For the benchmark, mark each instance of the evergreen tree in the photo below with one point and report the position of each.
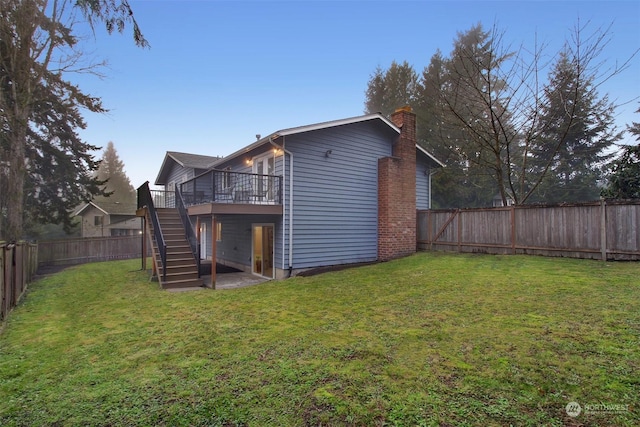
(391, 89)
(117, 186)
(46, 168)
(577, 129)
(624, 180)
(483, 111)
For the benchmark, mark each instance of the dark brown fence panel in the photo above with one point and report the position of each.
(80, 251)
(3, 290)
(18, 264)
(598, 230)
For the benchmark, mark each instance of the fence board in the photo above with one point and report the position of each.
(16, 271)
(569, 230)
(80, 251)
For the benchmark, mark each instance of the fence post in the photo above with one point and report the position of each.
(459, 231)
(603, 229)
(429, 230)
(513, 229)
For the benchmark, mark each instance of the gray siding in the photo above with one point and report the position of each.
(178, 174)
(422, 183)
(335, 216)
(236, 237)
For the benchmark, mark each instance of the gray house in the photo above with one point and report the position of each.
(325, 194)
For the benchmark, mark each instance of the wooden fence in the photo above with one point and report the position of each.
(18, 264)
(92, 249)
(598, 230)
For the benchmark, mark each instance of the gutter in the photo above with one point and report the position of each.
(284, 150)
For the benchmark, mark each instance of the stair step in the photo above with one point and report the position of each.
(181, 269)
(173, 277)
(191, 283)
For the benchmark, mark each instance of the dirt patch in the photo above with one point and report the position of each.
(47, 270)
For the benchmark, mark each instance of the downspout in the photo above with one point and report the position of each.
(284, 150)
(430, 189)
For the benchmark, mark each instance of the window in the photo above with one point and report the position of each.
(218, 232)
(97, 220)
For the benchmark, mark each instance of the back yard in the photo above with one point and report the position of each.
(433, 339)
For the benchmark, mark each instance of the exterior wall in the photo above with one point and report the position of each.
(397, 192)
(423, 169)
(178, 174)
(234, 248)
(335, 193)
(89, 229)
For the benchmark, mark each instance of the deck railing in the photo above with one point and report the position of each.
(146, 200)
(163, 199)
(188, 227)
(217, 186)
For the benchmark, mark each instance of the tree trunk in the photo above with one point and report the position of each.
(15, 185)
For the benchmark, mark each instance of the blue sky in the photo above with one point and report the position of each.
(220, 72)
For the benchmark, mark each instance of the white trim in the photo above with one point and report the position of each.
(340, 122)
(301, 129)
(91, 204)
(425, 152)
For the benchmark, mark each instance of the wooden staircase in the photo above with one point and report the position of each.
(182, 269)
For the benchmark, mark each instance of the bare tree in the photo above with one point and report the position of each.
(40, 110)
(493, 94)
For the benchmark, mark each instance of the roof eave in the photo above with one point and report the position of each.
(308, 128)
(430, 156)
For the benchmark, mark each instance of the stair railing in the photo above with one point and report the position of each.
(145, 200)
(188, 226)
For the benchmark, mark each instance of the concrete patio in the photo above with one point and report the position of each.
(224, 281)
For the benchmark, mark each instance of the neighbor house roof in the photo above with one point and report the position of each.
(128, 224)
(109, 208)
(186, 160)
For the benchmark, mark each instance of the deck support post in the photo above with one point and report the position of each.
(214, 239)
(143, 221)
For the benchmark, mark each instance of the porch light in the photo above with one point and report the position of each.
(249, 162)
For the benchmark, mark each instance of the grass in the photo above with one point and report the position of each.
(432, 339)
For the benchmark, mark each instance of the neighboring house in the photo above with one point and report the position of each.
(108, 219)
(497, 201)
(332, 193)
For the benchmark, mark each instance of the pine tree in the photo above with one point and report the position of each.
(624, 179)
(577, 129)
(391, 89)
(117, 185)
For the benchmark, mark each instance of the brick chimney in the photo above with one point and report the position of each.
(397, 191)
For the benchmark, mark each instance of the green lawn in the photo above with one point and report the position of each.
(432, 339)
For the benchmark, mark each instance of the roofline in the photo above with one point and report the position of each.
(87, 205)
(170, 154)
(164, 162)
(339, 122)
(428, 154)
(306, 128)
